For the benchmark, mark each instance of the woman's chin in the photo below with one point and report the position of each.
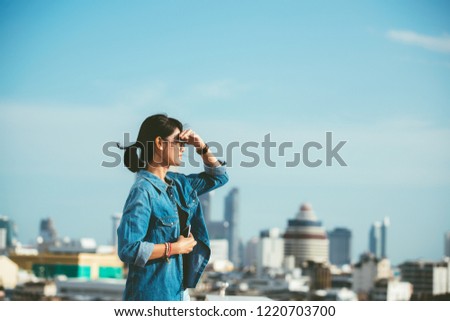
(177, 162)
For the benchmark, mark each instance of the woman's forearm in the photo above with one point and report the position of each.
(159, 251)
(209, 159)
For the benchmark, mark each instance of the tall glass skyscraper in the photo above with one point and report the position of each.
(378, 238)
(232, 217)
(340, 246)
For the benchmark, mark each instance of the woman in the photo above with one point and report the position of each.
(162, 235)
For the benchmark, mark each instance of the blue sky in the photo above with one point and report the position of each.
(77, 74)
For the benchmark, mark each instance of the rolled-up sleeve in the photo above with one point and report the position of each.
(133, 228)
(210, 179)
(216, 170)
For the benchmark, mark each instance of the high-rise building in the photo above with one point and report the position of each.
(251, 253)
(305, 238)
(378, 238)
(47, 231)
(115, 225)
(217, 230)
(340, 246)
(447, 244)
(8, 235)
(205, 201)
(375, 239)
(232, 217)
(384, 234)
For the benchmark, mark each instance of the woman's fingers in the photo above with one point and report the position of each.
(186, 244)
(191, 137)
(185, 134)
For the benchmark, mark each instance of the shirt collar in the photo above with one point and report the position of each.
(155, 180)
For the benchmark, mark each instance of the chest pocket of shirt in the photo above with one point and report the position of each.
(190, 202)
(166, 229)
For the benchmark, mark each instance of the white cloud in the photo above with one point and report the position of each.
(440, 44)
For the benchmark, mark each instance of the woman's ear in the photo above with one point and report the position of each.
(159, 143)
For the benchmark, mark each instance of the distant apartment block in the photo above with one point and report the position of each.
(270, 253)
(367, 271)
(428, 278)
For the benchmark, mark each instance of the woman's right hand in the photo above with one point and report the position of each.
(184, 245)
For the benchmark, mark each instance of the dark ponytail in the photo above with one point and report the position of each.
(131, 159)
(152, 127)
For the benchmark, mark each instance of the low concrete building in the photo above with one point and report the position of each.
(9, 273)
(81, 265)
(391, 290)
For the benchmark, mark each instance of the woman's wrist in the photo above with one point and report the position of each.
(175, 248)
(203, 149)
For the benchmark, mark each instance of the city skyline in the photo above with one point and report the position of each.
(373, 74)
(341, 236)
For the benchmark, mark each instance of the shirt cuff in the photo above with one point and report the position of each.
(216, 170)
(144, 252)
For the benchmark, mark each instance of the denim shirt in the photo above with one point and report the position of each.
(150, 216)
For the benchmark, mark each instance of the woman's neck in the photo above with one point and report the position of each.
(158, 170)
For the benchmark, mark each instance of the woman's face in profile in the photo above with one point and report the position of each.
(173, 149)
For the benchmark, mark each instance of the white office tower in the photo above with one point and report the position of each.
(305, 237)
(270, 253)
(219, 250)
(219, 256)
